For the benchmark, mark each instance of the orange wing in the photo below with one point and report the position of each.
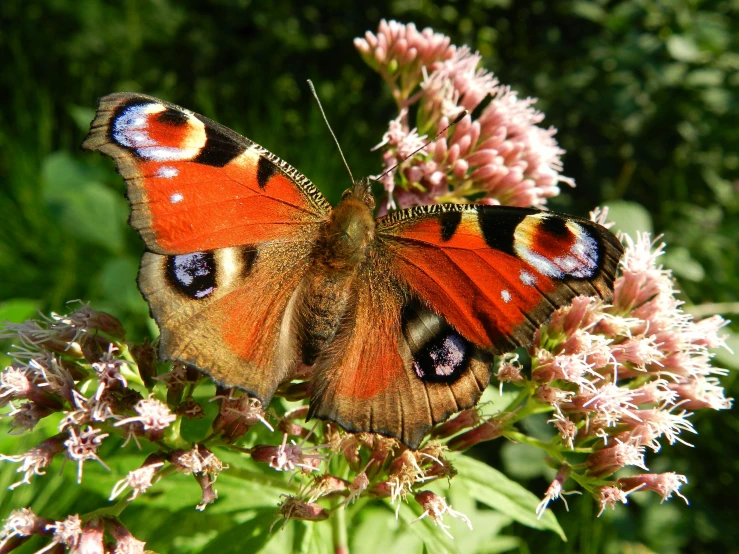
(195, 185)
(497, 273)
(230, 230)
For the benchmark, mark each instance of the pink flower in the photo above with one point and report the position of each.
(435, 507)
(502, 155)
(154, 416)
(664, 484)
(139, 480)
(556, 491)
(294, 508)
(287, 457)
(20, 525)
(67, 532)
(36, 460)
(83, 446)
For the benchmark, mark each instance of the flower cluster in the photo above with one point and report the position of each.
(496, 153)
(80, 367)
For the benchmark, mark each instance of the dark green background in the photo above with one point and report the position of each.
(644, 94)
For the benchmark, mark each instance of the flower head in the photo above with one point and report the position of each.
(435, 507)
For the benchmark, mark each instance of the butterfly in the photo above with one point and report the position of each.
(249, 273)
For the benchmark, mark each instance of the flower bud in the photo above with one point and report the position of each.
(488, 430)
(463, 420)
(663, 484)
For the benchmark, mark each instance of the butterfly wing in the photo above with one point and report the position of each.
(195, 185)
(378, 374)
(229, 229)
(497, 273)
(447, 286)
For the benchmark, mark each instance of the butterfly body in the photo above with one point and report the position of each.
(249, 272)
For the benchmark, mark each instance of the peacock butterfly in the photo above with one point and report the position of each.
(249, 272)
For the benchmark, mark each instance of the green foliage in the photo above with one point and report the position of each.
(644, 94)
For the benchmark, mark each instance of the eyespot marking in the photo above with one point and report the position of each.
(193, 275)
(556, 247)
(155, 132)
(443, 358)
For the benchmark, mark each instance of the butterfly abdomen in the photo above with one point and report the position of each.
(343, 246)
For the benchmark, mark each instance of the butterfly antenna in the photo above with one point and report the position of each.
(454, 122)
(320, 107)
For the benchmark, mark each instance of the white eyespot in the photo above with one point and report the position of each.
(167, 172)
(505, 295)
(527, 278)
(176, 198)
(167, 153)
(539, 262)
(130, 129)
(449, 356)
(189, 266)
(585, 252)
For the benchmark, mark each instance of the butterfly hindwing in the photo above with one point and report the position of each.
(195, 185)
(229, 311)
(395, 367)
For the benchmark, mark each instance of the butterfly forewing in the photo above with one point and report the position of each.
(195, 185)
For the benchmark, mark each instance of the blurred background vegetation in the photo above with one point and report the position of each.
(643, 92)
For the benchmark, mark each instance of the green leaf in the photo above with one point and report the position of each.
(17, 310)
(629, 217)
(682, 264)
(86, 208)
(684, 49)
(116, 285)
(523, 461)
(494, 489)
(250, 536)
(375, 529)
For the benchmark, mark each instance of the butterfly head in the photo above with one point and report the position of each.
(361, 191)
(351, 226)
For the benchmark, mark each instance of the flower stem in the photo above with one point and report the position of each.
(338, 528)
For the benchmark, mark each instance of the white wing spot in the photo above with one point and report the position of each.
(167, 172)
(505, 295)
(176, 198)
(527, 278)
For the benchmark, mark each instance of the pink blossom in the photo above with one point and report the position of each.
(502, 154)
(83, 446)
(556, 491)
(435, 507)
(154, 415)
(664, 484)
(36, 460)
(287, 457)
